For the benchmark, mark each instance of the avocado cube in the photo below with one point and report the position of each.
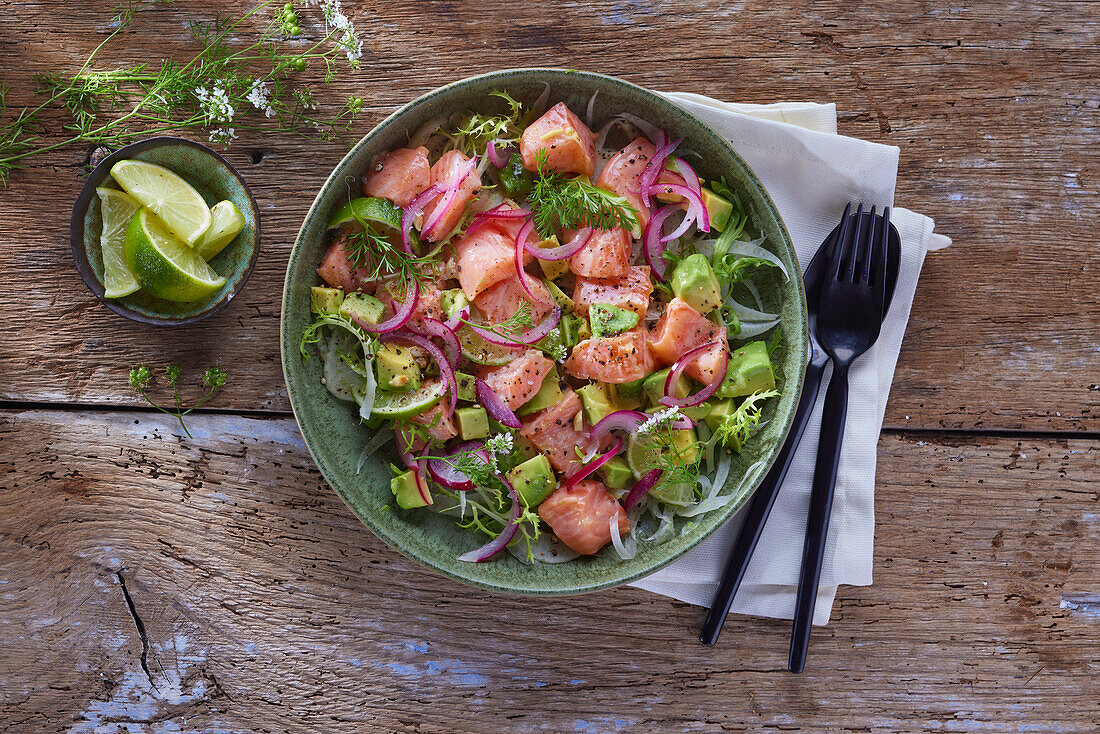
(631, 389)
(467, 388)
(553, 269)
(718, 210)
(749, 369)
(360, 305)
(552, 342)
(534, 480)
(718, 411)
(452, 301)
(616, 474)
(410, 491)
(654, 386)
(624, 402)
(396, 368)
(696, 412)
(525, 448)
(608, 320)
(559, 296)
(473, 422)
(515, 178)
(325, 300)
(549, 394)
(574, 330)
(596, 401)
(695, 283)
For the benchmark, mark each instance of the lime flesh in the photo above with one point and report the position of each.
(226, 223)
(117, 209)
(407, 404)
(165, 266)
(169, 197)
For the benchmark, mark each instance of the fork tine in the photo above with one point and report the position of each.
(881, 254)
(866, 242)
(841, 245)
(852, 247)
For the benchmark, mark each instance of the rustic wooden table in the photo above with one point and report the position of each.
(149, 582)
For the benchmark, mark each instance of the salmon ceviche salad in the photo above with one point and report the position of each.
(555, 322)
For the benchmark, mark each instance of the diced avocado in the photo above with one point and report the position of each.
(718, 210)
(396, 368)
(552, 343)
(616, 474)
(559, 296)
(608, 320)
(410, 492)
(750, 369)
(325, 300)
(631, 389)
(696, 412)
(525, 448)
(473, 422)
(516, 179)
(365, 308)
(719, 410)
(467, 389)
(452, 301)
(549, 394)
(624, 402)
(654, 386)
(596, 401)
(574, 330)
(534, 480)
(694, 282)
(553, 269)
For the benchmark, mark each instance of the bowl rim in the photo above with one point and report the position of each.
(78, 243)
(289, 351)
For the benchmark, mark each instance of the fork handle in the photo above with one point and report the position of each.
(833, 415)
(761, 505)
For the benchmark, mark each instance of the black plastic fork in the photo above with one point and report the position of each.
(849, 318)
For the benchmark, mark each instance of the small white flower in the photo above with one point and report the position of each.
(498, 446)
(260, 98)
(225, 136)
(215, 104)
(662, 418)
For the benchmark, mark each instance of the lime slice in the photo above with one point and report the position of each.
(226, 223)
(641, 458)
(117, 209)
(370, 209)
(163, 264)
(406, 404)
(169, 196)
(478, 350)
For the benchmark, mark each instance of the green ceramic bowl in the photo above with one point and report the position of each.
(216, 180)
(332, 429)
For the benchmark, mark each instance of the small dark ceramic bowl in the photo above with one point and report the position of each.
(215, 180)
(335, 436)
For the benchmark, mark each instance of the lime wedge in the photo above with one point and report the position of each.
(370, 209)
(226, 223)
(481, 351)
(406, 404)
(117, 209)
(641, 457)
(163, 264)
(169, 196)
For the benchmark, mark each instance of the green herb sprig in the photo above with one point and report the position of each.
(140, 378)
(678, 464)
(209, 93)
(572, 203)
(740, 425)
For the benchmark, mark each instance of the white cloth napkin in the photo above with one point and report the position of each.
(811, 172)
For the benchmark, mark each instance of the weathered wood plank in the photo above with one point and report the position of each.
(266, 606)
(994, 109)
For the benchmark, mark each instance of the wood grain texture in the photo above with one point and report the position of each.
(219, 584)
(994, 108)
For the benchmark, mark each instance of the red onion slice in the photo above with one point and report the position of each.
(628, 420)
(404, 450)
(653, 169)
(446, 373)
(399, 318)
(422, 483)
(525, 339)
(495, 406)
(501, 211)
(521, 238)
(688, 173)
(561, 252)
(592, 466)
(641, 488)
(496, 157)
(590, 109)
(678, 369)
(439, 330)
(497, 544)
(696, 210)
(413, 210)
(445, 474)
(457, 318)
(652, 246)
(448, 197)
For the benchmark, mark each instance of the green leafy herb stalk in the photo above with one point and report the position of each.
(573, 203)
(228, 86)
(141, 378)
(739, 426)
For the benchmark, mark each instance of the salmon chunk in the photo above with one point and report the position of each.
(500, 301)
(682, 328)
(568, 143)
(630, 292)
(440, 426)
(398, 175)
(338, 270)
(519, 380)
(622, 358)
(483, 259)
(621, 174)
(581, 516)
(446, 173)
(552, 433)
(605, 255)
(428, 303)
